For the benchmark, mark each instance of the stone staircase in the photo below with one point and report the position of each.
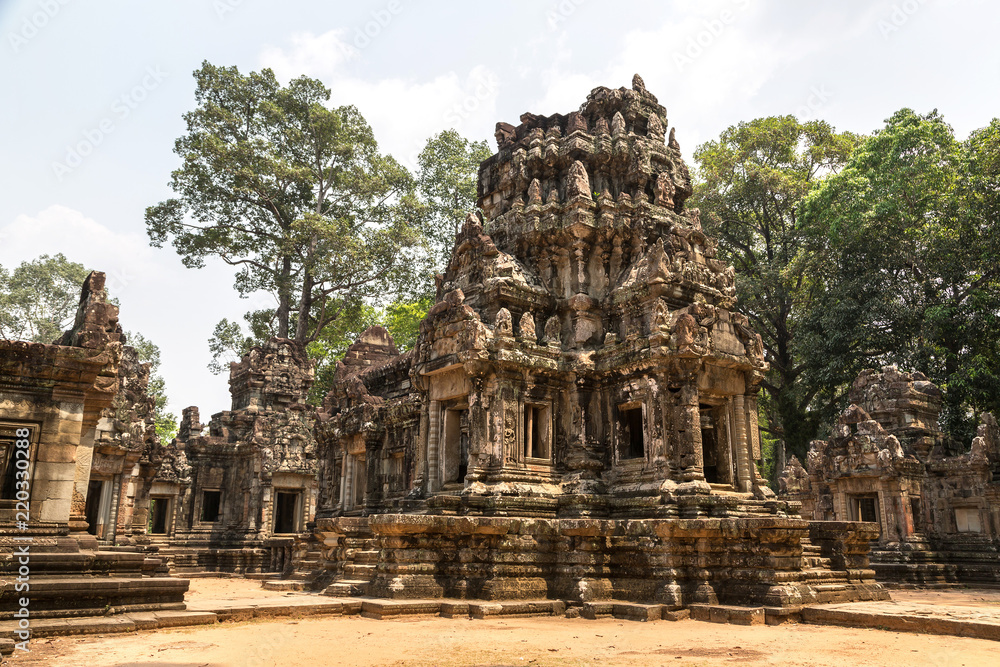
(307, 570)
(830, 586)
(304, 567)
(359, 565)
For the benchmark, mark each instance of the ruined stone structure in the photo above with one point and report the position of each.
(75, 427)
(887, 462)
(231, 495)
(578, 418)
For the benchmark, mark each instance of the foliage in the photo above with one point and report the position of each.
(149, 352)
(911, 273)
(401, 318)
(38, 299)
(447, 176)
(293, 193)
(750, 182)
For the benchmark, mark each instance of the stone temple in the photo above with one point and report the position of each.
(577, 421)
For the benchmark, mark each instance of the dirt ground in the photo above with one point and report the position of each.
(423, 641)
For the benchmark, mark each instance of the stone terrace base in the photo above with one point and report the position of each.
(670, 562)
(971, 560)
(68, 576)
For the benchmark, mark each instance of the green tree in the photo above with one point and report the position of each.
(149, 352)
(750, 182)
(295, 194)
(911, 245)
(447, 178)
(39, 298)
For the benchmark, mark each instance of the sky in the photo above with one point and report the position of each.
(96, 91)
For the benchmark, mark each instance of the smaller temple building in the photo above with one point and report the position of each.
(232, 494)
(936, 501)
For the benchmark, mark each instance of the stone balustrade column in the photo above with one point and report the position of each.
(743, 454)
(433, 440)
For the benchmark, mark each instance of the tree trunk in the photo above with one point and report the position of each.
(284, 305)
(305, 305)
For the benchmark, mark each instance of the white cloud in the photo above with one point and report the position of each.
(403, 113)
(125, 258)
(174, 307)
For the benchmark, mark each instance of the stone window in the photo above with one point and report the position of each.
(918, 518)
(211, 506)
(97, 509)
(286, 511)
(967, 520)
(631, 438)
(159, 514)
(864, 508)
(456, 444)
(536, 432)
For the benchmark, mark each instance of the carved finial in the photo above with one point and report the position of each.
(505, 134)
(654, 128)
(638, 84)
(672, 141)
(472, 221)
(694, 217)
(665, 190)
(534, 192)
(577, 181)
(553, 197)
(576, 123)
(526, 327)
(601, 127)
(503, 324)
(617, 124)
(553, 331)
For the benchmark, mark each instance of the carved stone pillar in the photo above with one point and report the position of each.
(692, 456)
(433, 440)
(743, 454)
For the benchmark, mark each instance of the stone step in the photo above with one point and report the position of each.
(347, 588)
(49, 627)
(359, 570)
(285, 585)
(366, 556)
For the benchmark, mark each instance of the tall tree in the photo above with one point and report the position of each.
(447, 175)
(750, 182)
(295, 194)
(149, 352)
(39, 298)
(911, 239)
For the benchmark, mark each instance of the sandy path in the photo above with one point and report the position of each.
(517, 641)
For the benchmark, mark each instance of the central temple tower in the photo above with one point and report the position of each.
(582, 358)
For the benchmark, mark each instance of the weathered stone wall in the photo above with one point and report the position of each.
(674, 562)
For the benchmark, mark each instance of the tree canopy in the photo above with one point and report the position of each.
(749, 185)
(39, 298)
(447, 175)
(295, 194)
(911, 272)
